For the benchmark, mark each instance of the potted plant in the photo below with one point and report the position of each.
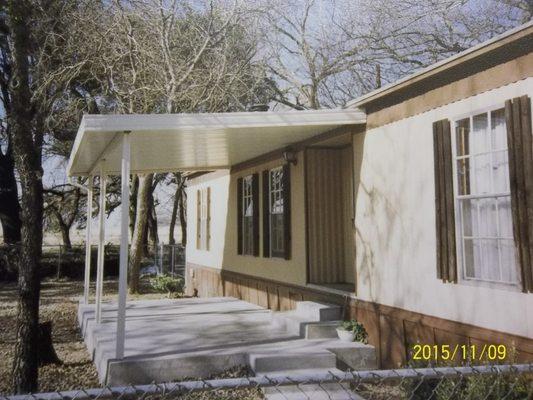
(352, 331)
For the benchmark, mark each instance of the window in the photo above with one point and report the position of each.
(276, 212)
(485, 244)
(203, 200)
(248, 215)
(275, 195)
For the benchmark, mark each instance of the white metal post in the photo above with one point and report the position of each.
(101, 244)
(124, 235)
(87, 280)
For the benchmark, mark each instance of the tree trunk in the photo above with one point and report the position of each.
(183, 217)
(65, 236)
(47, 353)
(9, 203)
(139, 231)
(133, 202)
(27, 149)
(173, 217)
(153, 236)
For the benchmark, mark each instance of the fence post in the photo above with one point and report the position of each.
(172, 262)
(58, 274)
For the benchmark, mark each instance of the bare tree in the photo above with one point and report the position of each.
(321, 55)
(178, 206)
(27, 144)
(202, 62)
(139, 232)
(307, 53)
(62, 209)
(9, 204)
(404, 35)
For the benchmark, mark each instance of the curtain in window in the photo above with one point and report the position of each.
(484, 201)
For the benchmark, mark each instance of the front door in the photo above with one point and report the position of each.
(329, 194)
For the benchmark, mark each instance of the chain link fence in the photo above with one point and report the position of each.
(443, 383)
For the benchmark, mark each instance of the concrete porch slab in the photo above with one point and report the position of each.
(172, 339)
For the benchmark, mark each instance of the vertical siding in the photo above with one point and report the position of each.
(327, 196)
(348, 214)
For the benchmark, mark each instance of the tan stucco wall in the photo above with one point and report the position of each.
(218, 183)
(395, 224)
(223, 252)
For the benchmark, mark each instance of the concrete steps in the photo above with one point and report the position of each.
(288, 362)
(309, 320)
(318, 311)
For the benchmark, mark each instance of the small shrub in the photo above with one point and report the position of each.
(360, 334)
(167, 284)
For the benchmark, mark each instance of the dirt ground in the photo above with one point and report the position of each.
(59, 300)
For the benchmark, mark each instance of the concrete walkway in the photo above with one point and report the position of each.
(172, 339)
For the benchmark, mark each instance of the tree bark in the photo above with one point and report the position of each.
(133, 202)
(47, 353)
(65, 236)
(173, 217)
(9, 203)
(139, 231)
(27, 147)
(153, 236)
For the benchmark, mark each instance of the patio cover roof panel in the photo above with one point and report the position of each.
(170, 142)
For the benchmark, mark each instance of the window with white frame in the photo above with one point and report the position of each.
(486, 248)
(203, 218)
(275, 189)
(247, 216)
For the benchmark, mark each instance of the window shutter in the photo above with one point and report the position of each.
(198, 219)
(287, 210)
(208, 219)
(444, 202)
(519, 140)
(255, 210)
(266, 215)
(239, 216)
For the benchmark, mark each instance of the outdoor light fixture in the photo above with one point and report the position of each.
(290, 157)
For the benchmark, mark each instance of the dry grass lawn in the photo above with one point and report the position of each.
(59, 302)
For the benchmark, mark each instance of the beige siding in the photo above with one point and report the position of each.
(329, 210)
(395, 220)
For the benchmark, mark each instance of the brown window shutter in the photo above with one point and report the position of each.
(255, 219)
(444, 202)
(239, 216)
(519, 141)
(208, 221)
(266, 214)
(287, 210)
(198, 219)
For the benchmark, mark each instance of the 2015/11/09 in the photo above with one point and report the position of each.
(446, 352)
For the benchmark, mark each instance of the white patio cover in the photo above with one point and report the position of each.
(171, 142)
(126, 144)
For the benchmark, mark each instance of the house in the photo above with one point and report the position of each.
(419, 221)
(412, 207)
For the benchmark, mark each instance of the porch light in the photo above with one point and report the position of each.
(290, 157)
